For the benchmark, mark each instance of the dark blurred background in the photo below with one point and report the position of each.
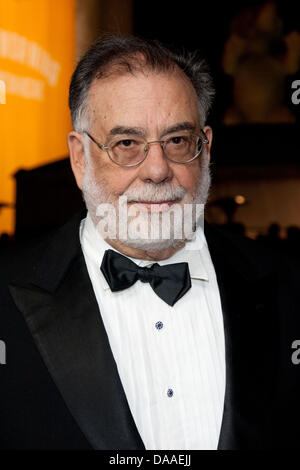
(206, 26)
(253, 50)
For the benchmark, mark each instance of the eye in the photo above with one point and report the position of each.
(178, 140)
(126, 143)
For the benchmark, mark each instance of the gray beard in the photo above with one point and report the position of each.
(96, 192)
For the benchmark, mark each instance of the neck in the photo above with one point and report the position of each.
(151, 255)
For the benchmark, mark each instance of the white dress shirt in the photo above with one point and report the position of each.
(171, 360)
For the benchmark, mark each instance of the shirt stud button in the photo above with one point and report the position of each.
(170, 393)
(159, 325)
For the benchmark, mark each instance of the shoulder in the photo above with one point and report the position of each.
(251, 260)
(22, 259)
(240, 251)
(21, 256)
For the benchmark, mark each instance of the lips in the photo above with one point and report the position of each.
(151, 206)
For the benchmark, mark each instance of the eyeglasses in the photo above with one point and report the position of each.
(128, 150)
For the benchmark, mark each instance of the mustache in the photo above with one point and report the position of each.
(159, 192)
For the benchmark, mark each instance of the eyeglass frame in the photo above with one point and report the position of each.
(203, 138)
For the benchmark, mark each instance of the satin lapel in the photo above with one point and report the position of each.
(68, 330)
(251, 333)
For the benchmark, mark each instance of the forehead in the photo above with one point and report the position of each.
(148, 100)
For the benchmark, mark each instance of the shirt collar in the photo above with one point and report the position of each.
(192, 253)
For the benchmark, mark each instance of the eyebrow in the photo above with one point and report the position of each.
(117, 130)
(180, 126)
(139, 131)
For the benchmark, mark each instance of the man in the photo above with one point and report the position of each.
(118, 337)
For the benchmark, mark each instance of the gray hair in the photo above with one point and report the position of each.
(128, 54)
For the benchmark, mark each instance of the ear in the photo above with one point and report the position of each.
(77, 156)
(209, 135)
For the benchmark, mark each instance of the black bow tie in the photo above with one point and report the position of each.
(169, 282)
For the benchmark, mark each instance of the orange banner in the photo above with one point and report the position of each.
(37, 50)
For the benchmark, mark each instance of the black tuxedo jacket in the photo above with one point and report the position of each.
(60, 387)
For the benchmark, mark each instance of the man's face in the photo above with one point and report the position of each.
(153, 104)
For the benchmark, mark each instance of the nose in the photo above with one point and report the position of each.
(155, 168)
